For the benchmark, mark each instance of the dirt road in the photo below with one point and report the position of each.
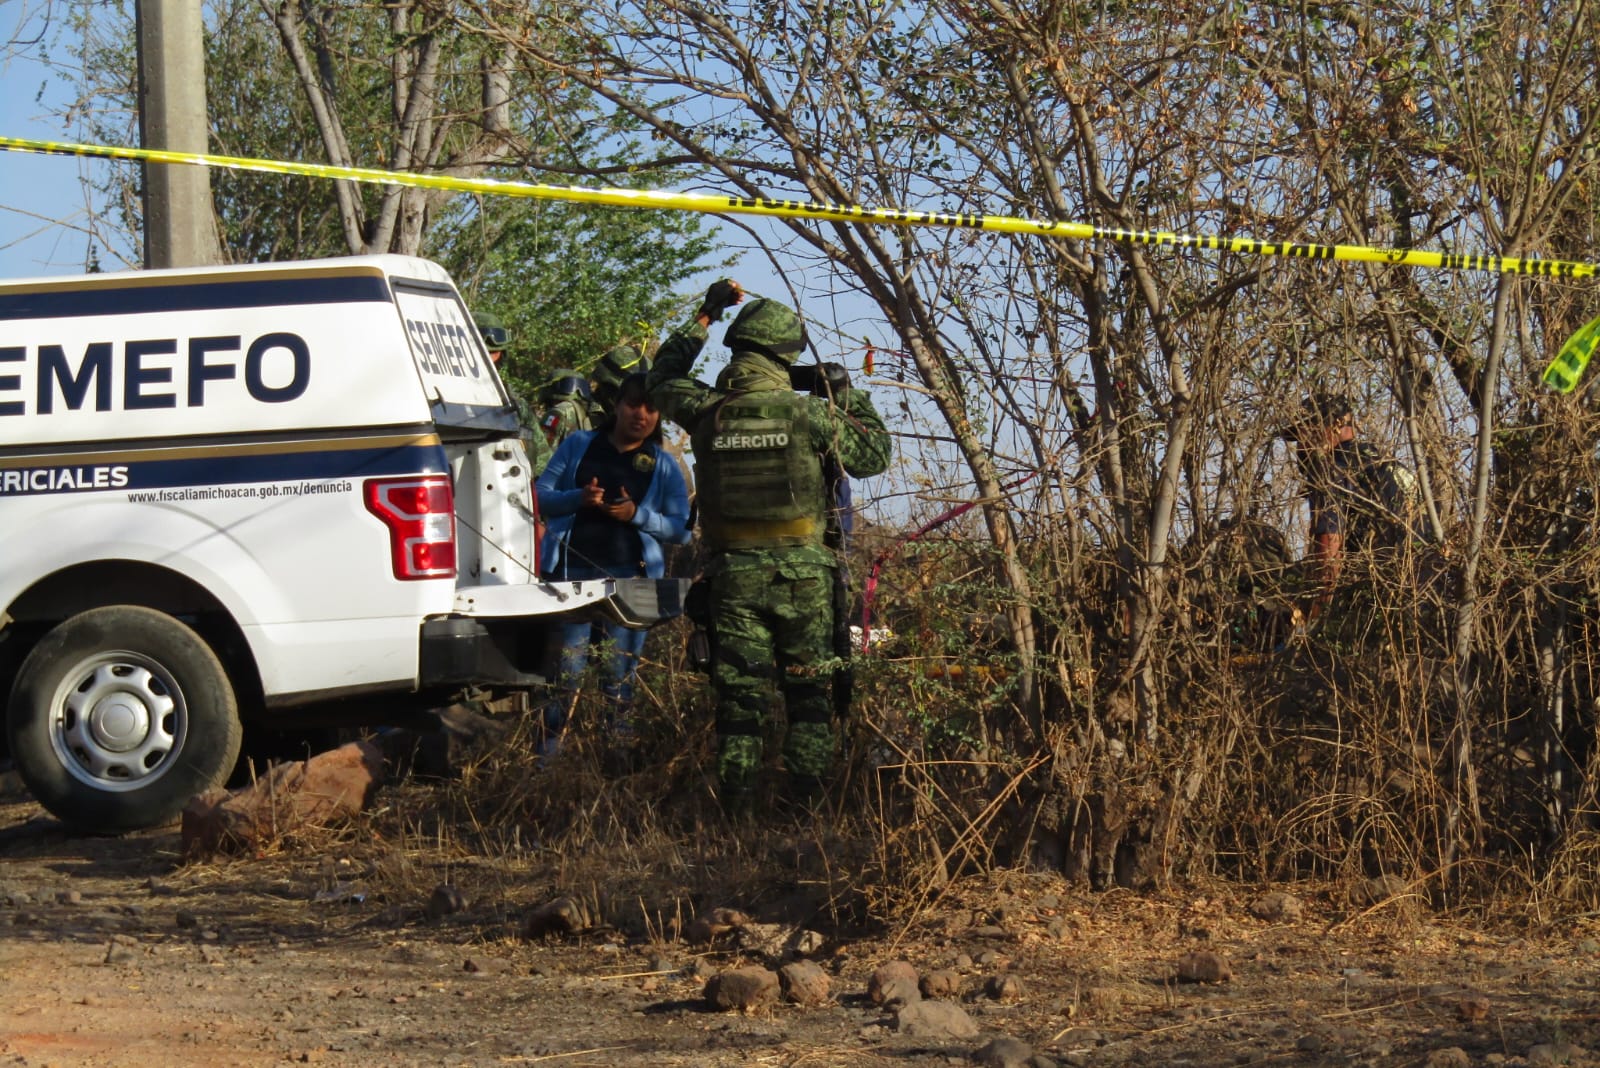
(113, 953)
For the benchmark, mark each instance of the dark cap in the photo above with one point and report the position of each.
(1327, 407)
(1322, 408)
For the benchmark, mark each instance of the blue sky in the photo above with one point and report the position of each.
(42, 205)
(43, 201)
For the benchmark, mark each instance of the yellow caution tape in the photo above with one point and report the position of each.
(801, 209)
(1562, 374)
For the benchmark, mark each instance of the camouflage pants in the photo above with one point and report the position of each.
(772, 624)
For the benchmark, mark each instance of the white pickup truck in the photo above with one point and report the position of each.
(264, 494)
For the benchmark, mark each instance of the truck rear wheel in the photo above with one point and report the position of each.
(119, 716)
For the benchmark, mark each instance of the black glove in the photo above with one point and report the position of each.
(722, 295)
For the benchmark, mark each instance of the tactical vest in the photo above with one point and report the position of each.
(760, 481)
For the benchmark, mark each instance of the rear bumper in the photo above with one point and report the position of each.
(507, 636)
(637, 603)
(459, 652)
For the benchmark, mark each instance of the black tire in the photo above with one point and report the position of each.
(119, 716)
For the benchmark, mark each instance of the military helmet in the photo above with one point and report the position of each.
(769, 328)
(617, 364)
(563, 384)
(493, 330)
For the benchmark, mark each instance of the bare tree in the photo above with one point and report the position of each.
(1116, 407)
(433, 125)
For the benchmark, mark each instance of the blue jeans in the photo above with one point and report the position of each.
(618, 648)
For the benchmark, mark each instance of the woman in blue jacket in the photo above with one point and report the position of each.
(610, 498)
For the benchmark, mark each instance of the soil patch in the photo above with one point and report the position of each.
(115, 953)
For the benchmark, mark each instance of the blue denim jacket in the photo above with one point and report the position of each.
(662, 517)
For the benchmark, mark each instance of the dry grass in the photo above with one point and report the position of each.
(1332, 760)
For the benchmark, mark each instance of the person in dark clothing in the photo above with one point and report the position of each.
(1360, 500)
(612, 498)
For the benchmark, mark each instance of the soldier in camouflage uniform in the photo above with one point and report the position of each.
(608, 375)
(759, 452)
(495, 339)
(568, 406)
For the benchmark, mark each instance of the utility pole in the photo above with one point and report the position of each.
(179, 228)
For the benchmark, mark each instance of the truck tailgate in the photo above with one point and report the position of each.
(636, 602)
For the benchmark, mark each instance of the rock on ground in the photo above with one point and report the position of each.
(742, 988)
(934, 1019)
(804, 983)
(894, 983)
(769, 940)
(292, 798)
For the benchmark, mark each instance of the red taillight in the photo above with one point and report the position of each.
(420, 514)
